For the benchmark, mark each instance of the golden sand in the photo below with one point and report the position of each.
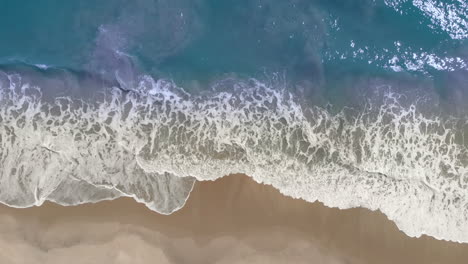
(231, 220)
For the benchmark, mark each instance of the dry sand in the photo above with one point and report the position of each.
(231, 220)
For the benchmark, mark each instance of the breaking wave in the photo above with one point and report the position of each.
(153, 140)
(450, 16)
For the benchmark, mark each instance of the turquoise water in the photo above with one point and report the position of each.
(352, 103)
(331, 45)
(205, 39)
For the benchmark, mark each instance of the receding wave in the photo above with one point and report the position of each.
(152, 141)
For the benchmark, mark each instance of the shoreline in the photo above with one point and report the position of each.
(230, 220)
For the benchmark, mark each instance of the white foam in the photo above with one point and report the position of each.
(448, 16)
(404, 58)
(389, 157)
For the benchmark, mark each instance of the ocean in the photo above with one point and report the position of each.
(359, 103)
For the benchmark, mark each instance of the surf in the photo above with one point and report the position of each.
(153, 140)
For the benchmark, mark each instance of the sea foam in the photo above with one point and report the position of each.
(152, 141)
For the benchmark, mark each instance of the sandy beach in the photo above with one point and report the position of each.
(231, 220)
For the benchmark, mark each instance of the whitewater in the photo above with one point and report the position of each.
(152, 140)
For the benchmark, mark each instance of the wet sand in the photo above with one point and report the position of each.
(231, 220)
